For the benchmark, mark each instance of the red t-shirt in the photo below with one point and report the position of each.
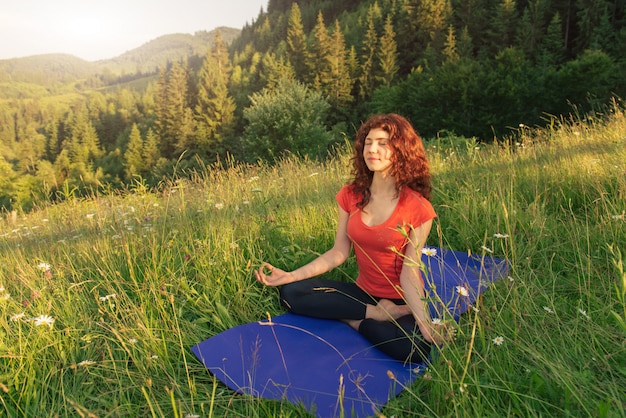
(379, 265)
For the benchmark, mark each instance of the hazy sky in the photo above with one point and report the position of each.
(101, 29)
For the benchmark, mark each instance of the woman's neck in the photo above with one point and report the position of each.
(383, 185)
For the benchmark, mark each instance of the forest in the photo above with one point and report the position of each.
(300, 78)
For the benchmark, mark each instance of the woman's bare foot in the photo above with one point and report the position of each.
(386, 310)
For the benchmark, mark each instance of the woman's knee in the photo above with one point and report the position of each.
(401, 341)
(291, 293)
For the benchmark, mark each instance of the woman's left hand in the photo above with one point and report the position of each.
(276, 276)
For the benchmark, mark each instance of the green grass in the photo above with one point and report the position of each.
(137, 278)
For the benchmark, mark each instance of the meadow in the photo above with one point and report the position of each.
(102, 297)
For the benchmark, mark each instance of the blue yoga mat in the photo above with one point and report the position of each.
(327, 366)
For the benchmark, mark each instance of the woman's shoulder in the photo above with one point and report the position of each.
(414, 199)
(347, 197)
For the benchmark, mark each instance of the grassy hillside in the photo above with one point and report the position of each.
(102, 298)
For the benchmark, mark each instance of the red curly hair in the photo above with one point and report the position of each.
(409, 165)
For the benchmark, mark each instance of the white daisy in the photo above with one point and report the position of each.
(43, 320)
(462, 290)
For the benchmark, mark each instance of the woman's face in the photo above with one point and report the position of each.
(377, 151)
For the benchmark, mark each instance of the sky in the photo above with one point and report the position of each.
(94, 30)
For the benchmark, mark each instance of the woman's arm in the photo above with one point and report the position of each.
(413, 284)
(325, 262)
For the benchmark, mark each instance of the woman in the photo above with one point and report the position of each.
(385, 215)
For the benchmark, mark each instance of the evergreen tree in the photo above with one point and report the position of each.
(368, 57)
(503, 26)
(589, 18)
(433, 19)
(552, 49)
(297, 52)
(172, 108)
(150, 151)
(339, 92)
(388, 54)
(320, 71)
(450, 49)
(134, 162)
(215, 109)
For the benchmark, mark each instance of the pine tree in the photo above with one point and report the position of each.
(320, 72)
(150, 151)
(433, 19)
(215, 107)
(172, 108)
(297, 52)
(388, 54)
(450, 49)
(133, 155)
(503, 26)
(552, 49)
(368, 55)
(339, 92)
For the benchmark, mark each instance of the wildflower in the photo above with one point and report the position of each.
(548, 310)
(86, 363)
(192, 416)
(511, 279)
(501, 236)
(246, 202)
(43, 266)
(253, 178)
(618, 217)
(43, 320)
(89, 215)
(132, 340)
(17, 316)
(498, 340)
(107, 297)
(462, 290)
(154, 356)
(475, 309)
(6, 296)
(583, 313)
(436, 321)
(234, 245)
(489, 250)
(430, 252)
(1, 288)
(219, 206)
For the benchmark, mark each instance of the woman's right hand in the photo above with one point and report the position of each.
(272, 276)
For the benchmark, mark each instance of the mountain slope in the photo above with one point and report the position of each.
(53, 70)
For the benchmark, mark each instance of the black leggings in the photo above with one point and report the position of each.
(331, 299)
